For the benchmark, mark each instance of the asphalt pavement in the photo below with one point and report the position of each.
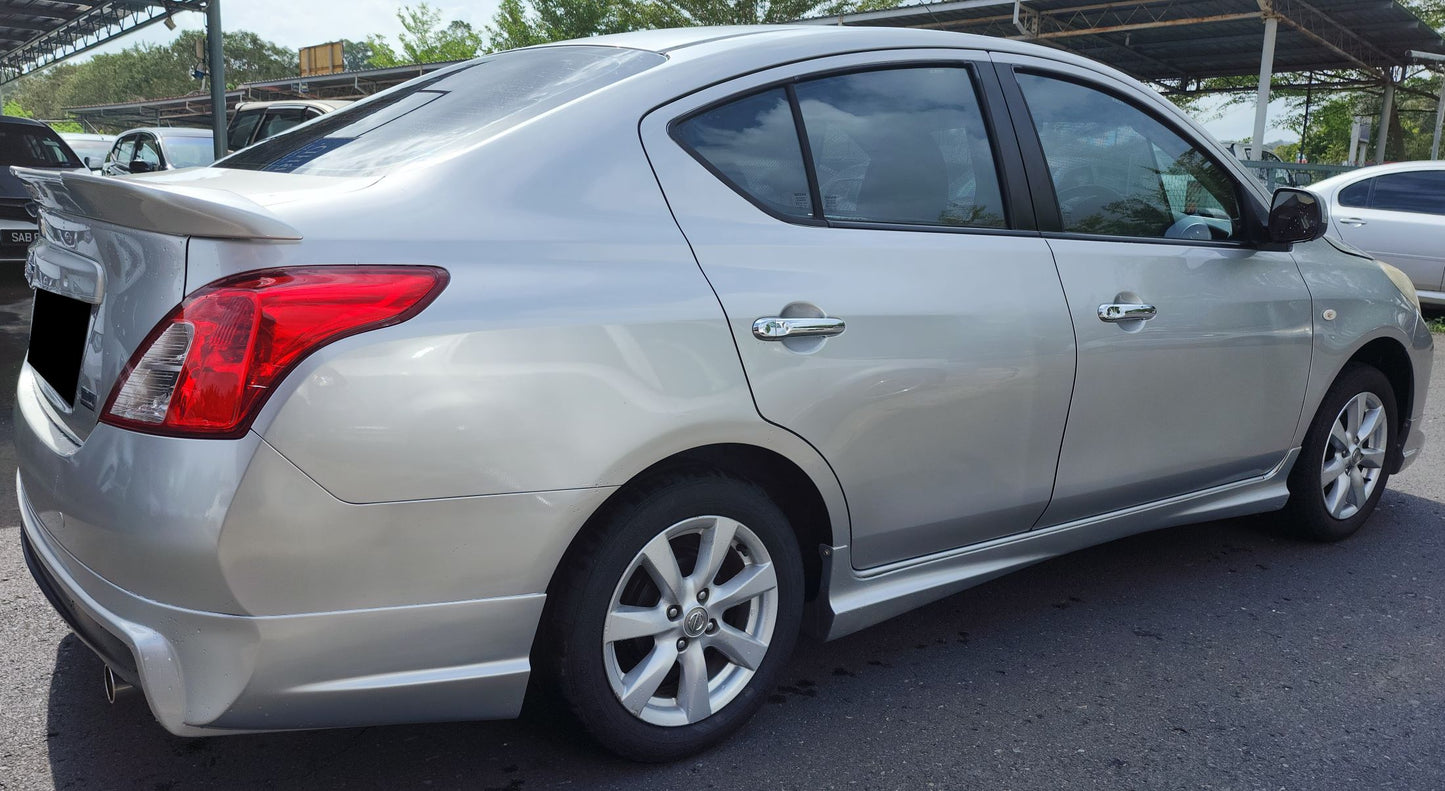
(1216, 656)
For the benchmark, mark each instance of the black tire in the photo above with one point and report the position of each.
(1306, 515)
(574, 647)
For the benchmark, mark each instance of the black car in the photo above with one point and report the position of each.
(29, 144)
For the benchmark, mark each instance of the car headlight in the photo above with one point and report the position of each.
(1402, 282)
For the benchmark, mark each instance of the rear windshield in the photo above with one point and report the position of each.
(34, 147)
(454, 108)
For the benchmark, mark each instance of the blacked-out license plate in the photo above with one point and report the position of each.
(20, 237)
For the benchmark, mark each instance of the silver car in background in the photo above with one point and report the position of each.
(1396, 213)
(611, 366)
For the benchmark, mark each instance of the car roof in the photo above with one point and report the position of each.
(169, 131)
(18, 121)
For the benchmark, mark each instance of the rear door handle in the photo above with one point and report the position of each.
(1353, 221)
(1126, 311)
(777, 328)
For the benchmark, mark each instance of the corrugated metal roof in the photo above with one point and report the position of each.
(37, 33)
(1172, 39)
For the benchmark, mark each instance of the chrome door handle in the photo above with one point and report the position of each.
(1352, 221)
(776, 328)
(1128, 311)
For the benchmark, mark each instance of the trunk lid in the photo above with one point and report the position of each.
(110, 263)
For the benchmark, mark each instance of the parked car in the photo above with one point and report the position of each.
(787, 322)
(1396, 213)
(29, 144)
(91, 148)
(1272, 177)
(159, 148)
(253, 122)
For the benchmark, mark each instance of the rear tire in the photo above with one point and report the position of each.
(1343, 465)
(658, 655)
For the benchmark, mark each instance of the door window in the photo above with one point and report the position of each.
(1117, 171)
(1418, 192)
(279, 120)
(902, 145)
(752, 144)
(148, 151)
(242, 127)
(124, 152)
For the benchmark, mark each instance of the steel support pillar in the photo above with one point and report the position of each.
(1386, 109)
(1357, 131)
(1439, 119)
(215, 40)
(1266, 73)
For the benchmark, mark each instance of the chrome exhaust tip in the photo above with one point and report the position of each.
(114, 686)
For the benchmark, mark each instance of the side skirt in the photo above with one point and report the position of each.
(854, 600)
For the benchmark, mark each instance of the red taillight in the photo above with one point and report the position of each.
(207, 368)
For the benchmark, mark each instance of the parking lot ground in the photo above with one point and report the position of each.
(1216, 656)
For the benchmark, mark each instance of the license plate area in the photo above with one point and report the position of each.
(14, 237)
(58, 328)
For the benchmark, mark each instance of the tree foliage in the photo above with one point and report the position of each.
(425, 39)
(147, 71)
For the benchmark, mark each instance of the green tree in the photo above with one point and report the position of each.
(425, 39)
(356, 54)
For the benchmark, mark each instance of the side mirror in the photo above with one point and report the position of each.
(1296, 216)
(142, 166)
(89, 165)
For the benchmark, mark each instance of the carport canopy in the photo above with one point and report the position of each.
(37, 33)
(1176, 42)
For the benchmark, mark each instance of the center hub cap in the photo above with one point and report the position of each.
(695, 622)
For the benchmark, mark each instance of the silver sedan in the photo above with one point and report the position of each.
(1395, 212)
(611, 367)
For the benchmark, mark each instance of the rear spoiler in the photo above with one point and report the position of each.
(162, 208)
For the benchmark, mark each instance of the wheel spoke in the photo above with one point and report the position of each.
(1340, 436)
(740, 648)
(751, 582)
(1369, 423)
(1335, 497)
(661, 564)
(1332, 471)
(1372, 458)
(1355, 415)
(626, 622)
(641, 683)
(1357, 487)
(692, 692)
(713, 550)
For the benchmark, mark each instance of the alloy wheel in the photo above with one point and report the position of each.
(1354, 455)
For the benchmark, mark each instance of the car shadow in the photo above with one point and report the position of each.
(1104, 620)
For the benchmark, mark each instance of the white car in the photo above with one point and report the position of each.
(91, 148)
(254, 122)
(1397, 214)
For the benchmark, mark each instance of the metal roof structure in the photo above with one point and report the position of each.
(1170, 40)
(195, 110)
(37, 33)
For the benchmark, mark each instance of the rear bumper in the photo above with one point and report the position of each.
(205, 672)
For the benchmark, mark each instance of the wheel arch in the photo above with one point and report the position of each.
(1388, 355)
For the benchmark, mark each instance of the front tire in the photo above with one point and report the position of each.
(1343, 465)
(676, 615)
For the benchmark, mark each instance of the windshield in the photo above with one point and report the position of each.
(189, 152)
(451, 109)
(34, 147)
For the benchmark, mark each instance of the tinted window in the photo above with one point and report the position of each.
(902, 146)
(1117, 171)
(1422, 192)
(1357, 195)
(242, 127)
(190, 152)
(753, 144)
(279, 120)
(454, 108)
(34, 147)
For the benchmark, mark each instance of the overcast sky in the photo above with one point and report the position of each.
(302, 23)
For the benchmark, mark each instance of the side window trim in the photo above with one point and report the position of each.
(1018, 204)
(1046, 202)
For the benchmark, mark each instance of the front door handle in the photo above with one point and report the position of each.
(1126, 311)
(1351, 221)
(777, 328)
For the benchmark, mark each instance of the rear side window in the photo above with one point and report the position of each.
(1118, 171)
(453, 108)
(1420, 192)
(902, 145)
(34, 147)
(753, 145)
